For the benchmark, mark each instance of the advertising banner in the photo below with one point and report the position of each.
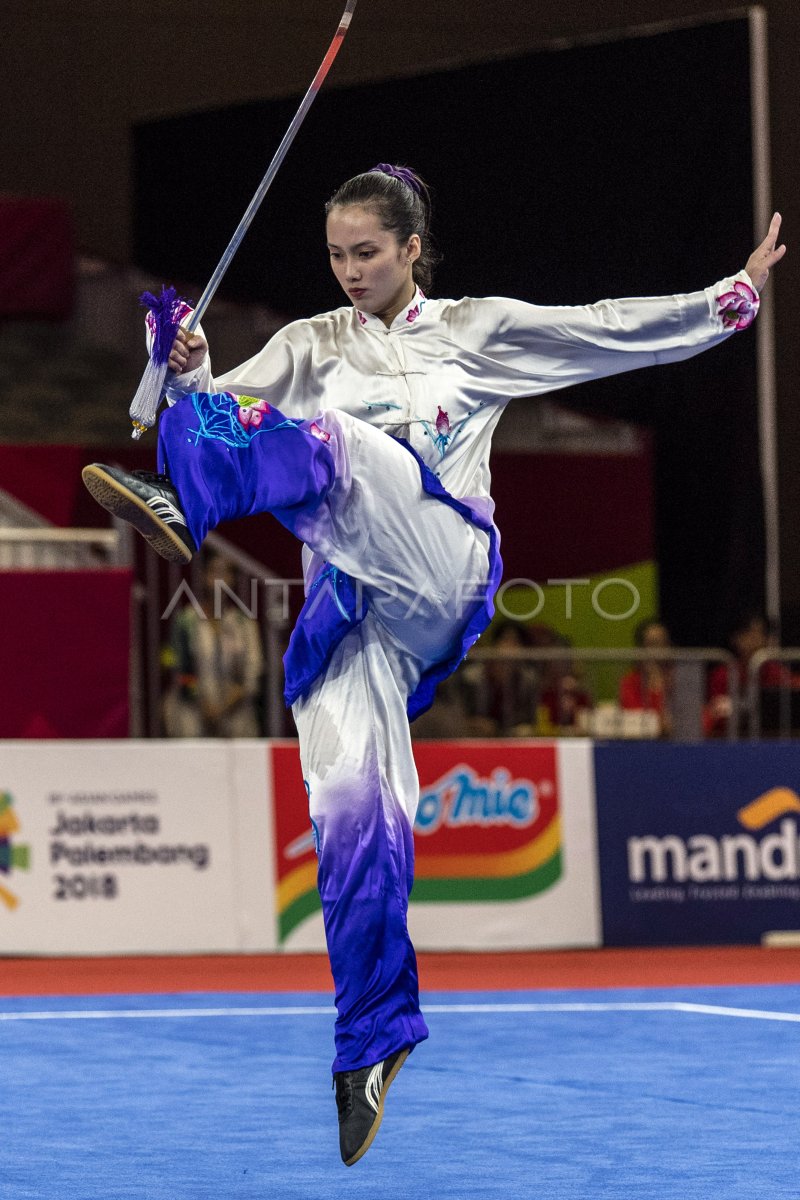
(698, 843)
(506, 853)
(132, 847)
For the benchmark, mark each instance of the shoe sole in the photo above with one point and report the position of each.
(376, 1124)
(122, 502)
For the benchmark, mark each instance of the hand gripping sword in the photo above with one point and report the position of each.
(167, 309)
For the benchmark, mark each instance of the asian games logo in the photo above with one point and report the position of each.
(12, 857)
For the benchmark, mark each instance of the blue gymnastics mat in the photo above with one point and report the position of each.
(674, 1094)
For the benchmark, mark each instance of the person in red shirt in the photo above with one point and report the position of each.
(749, 634)
(564, 699)
(648, 686)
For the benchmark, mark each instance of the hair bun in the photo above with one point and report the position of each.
(404, 174)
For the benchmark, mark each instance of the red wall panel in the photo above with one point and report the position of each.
(64, 653)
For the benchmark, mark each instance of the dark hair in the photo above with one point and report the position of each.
(402, 203)
(744, 618)
(520, 631)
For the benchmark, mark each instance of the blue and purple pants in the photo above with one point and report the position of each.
(408, 582)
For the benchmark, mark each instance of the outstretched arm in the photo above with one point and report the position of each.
(534, 349)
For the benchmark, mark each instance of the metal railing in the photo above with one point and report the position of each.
(28, 542)
(52, 549)
(597, 672)
(256, 588)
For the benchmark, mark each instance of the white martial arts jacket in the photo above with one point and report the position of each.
(441, 376)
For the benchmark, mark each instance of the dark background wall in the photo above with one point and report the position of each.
(76, 77)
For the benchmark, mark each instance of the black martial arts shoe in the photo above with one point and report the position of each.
(149, 502)
(359, 1098)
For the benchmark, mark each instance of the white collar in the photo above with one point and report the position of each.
(404, 319)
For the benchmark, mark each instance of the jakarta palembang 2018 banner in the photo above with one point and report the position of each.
(505, 848)
(698, 844)
(124, 847)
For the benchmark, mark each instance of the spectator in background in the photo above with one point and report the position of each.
(648, 687)
(748, 634)
(218, 663)
(502, 694)
(448, 718)
(564, 698)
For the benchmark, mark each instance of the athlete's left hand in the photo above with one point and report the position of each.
(765, 256)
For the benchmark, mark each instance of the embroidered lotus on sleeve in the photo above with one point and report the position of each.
(738, 308)
(318, 432)
(251, 412)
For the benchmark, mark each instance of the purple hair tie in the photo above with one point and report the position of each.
(402, 173)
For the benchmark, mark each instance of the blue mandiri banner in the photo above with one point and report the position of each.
(698, 843)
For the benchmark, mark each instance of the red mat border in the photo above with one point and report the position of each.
(607, 968)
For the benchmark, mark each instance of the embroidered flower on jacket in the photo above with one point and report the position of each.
(738, 308)
(361, 316)
(251, 412)
(318, 432)
(414, 312)
(441, 432)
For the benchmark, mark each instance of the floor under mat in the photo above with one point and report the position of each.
(676, 1094)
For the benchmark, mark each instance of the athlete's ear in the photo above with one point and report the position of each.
(414, 248)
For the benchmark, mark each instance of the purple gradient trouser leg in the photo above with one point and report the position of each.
(355, 748)
(355, 497)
